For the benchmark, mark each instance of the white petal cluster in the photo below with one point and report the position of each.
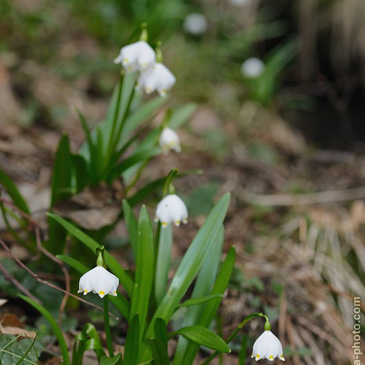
(171, 209)
(169, 140)
(99, 281)
(239, 2)
(267, 346)
(136, 56)
(195, 23)
(252, 67)
(158, 78)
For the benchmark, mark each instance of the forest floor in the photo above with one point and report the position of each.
(296, 218)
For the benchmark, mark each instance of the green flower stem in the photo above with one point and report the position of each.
(170, 177)
(234, 334)
(107, 326)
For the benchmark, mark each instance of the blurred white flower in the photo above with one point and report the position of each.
(136, 56)
(195, 23)
(169, 140)
(267, 346)
(171, 209)
(239, 2)
(252, 67)
(158, 78)
(99, 281)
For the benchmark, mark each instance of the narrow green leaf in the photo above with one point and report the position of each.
(147, 190)
(219, 287)
(62, 171)
(77, 265)
(161, 331)
(13, 192)
(211, 308)
(163, 262)
(133, 160)
(132, 342)
(143, 112)
(92, 148)
(55, 328)
(203, 287)
(192, 261)
(111, 262)
(144, 270)
(204, 337)
(180, 116)
(28, 350)
(159, 351)
(80, 172)
(132, 226)
(200, 300)
(110, 360)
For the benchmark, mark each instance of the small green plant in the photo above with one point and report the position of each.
(119, 149)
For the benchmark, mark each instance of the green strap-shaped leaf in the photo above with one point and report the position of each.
(161, 331)
(159, 351)
(132, 226)
(55, 328)
(211, 308)
(200, 300)
(144, 271)
(143, 112)
(204, 337)
(77, 265)
(132, 342)
(203, 287)
(111, 360)
(163, 262)
(190, 265)
(181, 115)
(193, 259)
(111, 262)
(62, 171)
(13, 192)
(132, 160)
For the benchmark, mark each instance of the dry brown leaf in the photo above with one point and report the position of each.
(16, 331)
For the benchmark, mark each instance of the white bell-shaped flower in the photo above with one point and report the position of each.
(169, 140)
(171, 209)
(158, 78)
(195, 23)
(267, 346)
(239, 2)
(252, 67)
(99, 281)
(136, 56)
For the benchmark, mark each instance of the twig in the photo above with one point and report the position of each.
(23, 214)
(16, 283)
(45, 282)
(45, 252)
(63, 268)
(305, 199)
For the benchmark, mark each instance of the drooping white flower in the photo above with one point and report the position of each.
(195, 23)
(136, 56)
(99, 281)
(169, 140)
(252, 67)
(267, 346)
(171, 209)
(158, 78)
(239, 2)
